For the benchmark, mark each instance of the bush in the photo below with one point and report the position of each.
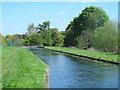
(106, 38)
(84, 41)
(33, 39)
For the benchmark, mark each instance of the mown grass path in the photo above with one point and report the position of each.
(22, 69)
(99, 55)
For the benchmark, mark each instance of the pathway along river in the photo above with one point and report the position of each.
(67, 71)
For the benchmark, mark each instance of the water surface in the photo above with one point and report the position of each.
(68, 71)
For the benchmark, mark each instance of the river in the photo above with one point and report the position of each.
(68, 71)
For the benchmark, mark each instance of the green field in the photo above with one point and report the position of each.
(22, 69)
(94, 54)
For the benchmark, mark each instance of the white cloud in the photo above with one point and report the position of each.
(60, 13)
(40, 14)
(106, 10)
(62, 22)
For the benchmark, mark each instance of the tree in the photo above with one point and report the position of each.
(33, 39)
(63, 33)
(47, 38)
(84, 41)
(90, 19)
(8, 39)
(106, 38)
(31, 29)
(43, 26)
(60, 39)
(69, 37)
(27, 41)
(57, 37)
(43, 30)
(17, 38)
(3, 41)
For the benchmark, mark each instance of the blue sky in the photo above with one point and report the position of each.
(16, 16)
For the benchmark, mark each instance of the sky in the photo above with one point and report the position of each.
(16, 16)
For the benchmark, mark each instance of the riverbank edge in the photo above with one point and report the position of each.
(47, 78)
(45, 72)
(117, 63)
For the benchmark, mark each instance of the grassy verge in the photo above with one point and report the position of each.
(94, 54)
(22, 69)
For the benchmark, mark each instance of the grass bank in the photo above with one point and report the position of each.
(99, 55)
(22, 69)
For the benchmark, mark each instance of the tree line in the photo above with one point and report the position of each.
(91, 29)
(42, 35)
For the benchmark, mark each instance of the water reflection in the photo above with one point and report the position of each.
(68, 71)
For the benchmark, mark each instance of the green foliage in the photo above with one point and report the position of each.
(63, 33)
(8, 38)
(2, 41)
(31, 29)
(22, 42)
(33, 39)
(17, 38)
(69, 37)
(45, 36)
(50, 36)
(43, 26)
(43, 30)
(90, 19)
(27, 42)
(84, 41)
(80, 42)
(57, 37)
(106, 38)
(60, 40)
